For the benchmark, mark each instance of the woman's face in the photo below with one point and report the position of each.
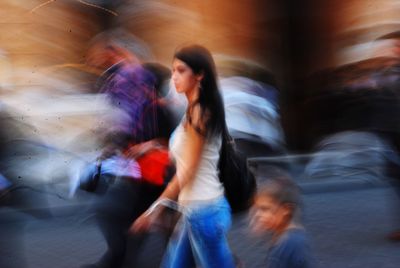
(184, 79)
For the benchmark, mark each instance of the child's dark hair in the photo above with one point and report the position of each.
(283, 190)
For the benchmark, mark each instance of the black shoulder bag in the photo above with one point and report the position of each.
(239, 182)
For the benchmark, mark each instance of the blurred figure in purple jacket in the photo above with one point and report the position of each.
(128, 87)
(131, 91)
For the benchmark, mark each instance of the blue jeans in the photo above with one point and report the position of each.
(200, 237)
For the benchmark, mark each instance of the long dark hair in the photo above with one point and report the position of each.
(199, 59)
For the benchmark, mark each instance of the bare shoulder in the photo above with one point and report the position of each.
(198, 119)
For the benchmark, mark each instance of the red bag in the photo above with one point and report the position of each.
(156, 166)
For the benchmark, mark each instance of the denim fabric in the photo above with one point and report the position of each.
(200, 237)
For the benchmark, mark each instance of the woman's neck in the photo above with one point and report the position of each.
(192, 96)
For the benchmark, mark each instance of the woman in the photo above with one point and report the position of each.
(200, 237)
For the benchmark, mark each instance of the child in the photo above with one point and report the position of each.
(275, 210)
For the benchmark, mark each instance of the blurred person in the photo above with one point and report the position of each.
(125, 82)
(200, 236)
(251, 102)
(124, 195)
(276, 211)
(253, 115)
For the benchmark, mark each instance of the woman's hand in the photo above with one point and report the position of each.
(141, 224)
(146, 220)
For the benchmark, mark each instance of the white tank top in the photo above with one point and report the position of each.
(206, 184)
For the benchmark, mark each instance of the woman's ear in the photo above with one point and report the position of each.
(200, 76)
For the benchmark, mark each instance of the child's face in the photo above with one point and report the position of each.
(268, 215)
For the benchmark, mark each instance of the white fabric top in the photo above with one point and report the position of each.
(206, 184)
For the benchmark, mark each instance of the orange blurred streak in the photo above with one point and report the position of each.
(80, 1)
